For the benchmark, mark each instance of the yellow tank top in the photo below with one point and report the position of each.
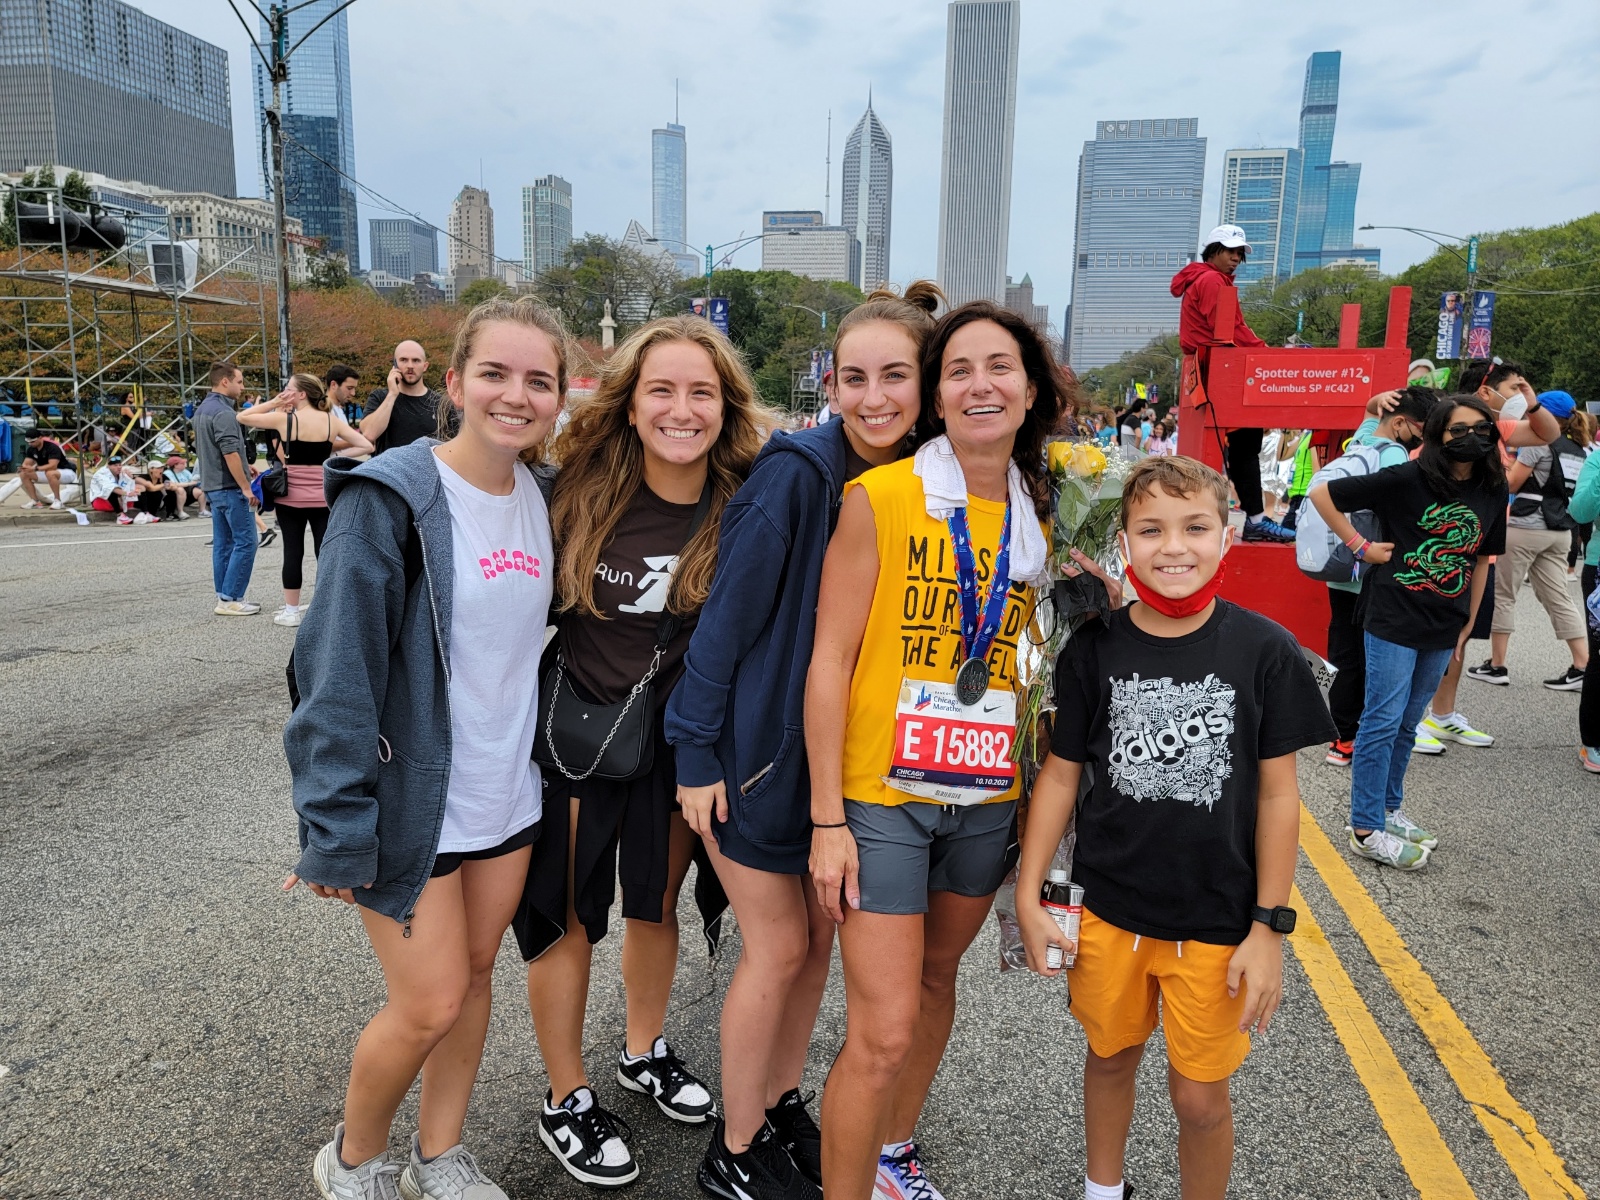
(914, 628)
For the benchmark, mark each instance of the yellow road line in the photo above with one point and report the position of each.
(1535, 1163)
(1405, 1118)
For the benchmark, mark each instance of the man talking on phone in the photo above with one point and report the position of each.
(406, 408)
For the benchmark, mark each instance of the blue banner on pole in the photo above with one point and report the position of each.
(1480, 324)
(719, 313)
(1448, 342)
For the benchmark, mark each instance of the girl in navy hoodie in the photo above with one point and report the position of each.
(735, 721)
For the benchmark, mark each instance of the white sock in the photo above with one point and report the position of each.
(1255, 520)
(1101, 1191)
(890, 1149)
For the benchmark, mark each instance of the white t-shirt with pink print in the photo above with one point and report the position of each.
(504, 577)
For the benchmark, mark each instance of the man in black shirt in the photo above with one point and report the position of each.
(407, 408)
(45, 462)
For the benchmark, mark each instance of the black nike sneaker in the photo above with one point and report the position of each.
(662, 1076)
(763, 1172)
(798, 1133)
(591, 1143)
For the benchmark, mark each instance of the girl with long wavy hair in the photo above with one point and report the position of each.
(647, 466)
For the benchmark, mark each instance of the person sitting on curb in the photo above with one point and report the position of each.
(113, 489)
(44, 462)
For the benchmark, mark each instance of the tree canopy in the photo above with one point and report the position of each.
(479, 290)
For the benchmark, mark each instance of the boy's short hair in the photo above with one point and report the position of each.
(1177, 476)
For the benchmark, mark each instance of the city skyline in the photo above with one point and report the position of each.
(757, 84)
(866, 192)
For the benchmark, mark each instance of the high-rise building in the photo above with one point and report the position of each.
(319, 147)
(1261, 195)
(402, 246)
(469, 248)
(546, 224)
(980, 109)
(1326, 221)
(1019, 299)
(869, 197)
(669, 194)
(797, 241)
(96, 85)
(1139, 185)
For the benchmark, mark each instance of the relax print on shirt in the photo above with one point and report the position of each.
(930, 612)
(654, 585)
(500, 562)
(1171, 741)
(1442, 564)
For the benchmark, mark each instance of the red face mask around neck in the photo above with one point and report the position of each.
(1183, 607)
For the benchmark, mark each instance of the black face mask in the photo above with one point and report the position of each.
(1469, 448)
(1412, 442)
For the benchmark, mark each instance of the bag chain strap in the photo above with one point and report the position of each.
(550, 720)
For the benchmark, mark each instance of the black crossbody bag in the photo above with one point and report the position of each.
(616, 741)
(275, 481)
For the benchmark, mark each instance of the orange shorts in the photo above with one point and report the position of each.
(1115, 983)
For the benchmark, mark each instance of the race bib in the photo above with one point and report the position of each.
(949, 752)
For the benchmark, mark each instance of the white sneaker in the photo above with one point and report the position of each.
(33, 504)
(375, 1179)
(56, 505)
(454, 1175)
(144, 519)
(182, 516)
(287, 616)
(236, 608)
(124, 519)
(1384, 847)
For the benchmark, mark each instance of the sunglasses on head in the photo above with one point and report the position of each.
(1482, 428)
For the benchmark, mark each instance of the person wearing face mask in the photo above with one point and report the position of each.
(1442, 517)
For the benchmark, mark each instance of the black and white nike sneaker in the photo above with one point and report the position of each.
(662, 1076)
(763, 1172)
(798, 1133)
(591, 1143)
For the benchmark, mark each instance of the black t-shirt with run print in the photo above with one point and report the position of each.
(1422, 596)
(47, 454)
(1175, 730)
(606, 658)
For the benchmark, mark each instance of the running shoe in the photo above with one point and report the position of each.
(288, 616)
(182, 516)
(33, 504)
(453, 1175)
(1425, 742)
(591, 1143)
(1266, 531)
(56, 506)
(124, 519)
(1457, 730)
(375, 1179)
(236, 608)
(662, 1076)
(1487, 672)
(763, 1172)
(1404, 828)
(1340, 753)
(798, 1133)
(1589, 756)
(1570, 680)
(1381, 846)
(900, 1177)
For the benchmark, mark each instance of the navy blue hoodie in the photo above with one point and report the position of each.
(740, 706)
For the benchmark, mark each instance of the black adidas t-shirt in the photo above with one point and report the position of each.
(1175, 729)
(1422, 596)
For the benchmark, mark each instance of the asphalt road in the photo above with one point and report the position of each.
(172, 1026)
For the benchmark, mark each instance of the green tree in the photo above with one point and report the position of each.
(639, 286)
(328, 273)
(1320, 294)
(1152, 364)
(479, 290)
(772, 318)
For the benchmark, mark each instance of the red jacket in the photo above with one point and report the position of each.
(1199, 284)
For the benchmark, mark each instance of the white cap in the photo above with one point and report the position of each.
(1230, 236)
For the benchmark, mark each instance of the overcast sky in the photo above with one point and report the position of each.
(1471, 117)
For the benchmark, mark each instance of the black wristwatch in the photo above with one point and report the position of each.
(1279, 920)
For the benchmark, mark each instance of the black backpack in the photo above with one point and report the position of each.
(1551, 502)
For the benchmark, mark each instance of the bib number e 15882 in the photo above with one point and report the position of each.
(950, 752)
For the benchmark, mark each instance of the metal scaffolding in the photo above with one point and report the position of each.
(109, 350)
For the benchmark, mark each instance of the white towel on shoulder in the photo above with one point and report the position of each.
(944, 489)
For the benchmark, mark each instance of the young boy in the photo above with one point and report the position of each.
(1190, 710)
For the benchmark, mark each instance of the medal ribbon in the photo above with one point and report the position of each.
(977, 636)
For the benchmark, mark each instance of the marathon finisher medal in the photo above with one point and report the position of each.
(979, 624)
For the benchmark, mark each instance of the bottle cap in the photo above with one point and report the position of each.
(1057, 875)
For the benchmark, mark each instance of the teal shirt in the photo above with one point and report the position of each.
(1390, 454)
(1585, 504)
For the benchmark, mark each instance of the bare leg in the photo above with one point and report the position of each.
(291, 597)
(490, 890)
(426, 975)
(30, 484)
(793, 1046)
(951, 924)
(650, 949)
(1108, 1090)
(1580, 652)
(1444, 700)
(52, 476)
(1205, 1136)
(558, 990)
(1499, 643)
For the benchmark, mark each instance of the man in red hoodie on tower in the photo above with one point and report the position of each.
(1199, 284)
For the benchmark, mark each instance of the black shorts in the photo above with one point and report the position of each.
(450, 863)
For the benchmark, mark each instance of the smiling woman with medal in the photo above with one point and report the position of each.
(910, 719)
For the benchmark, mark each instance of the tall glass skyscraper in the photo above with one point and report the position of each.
(669, 194)
(96, 85)
(1326, 222)
(402, 247)
(319, 130)
(1261, 194)
(546, 224)
(980, 112)
(1139, 185)
(868, 197)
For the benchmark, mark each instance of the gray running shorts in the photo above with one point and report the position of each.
(908, 850)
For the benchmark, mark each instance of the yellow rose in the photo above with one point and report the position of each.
(1083, 459)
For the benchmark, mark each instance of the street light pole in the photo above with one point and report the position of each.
(279, 27)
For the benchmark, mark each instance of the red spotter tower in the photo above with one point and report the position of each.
(1225, 387)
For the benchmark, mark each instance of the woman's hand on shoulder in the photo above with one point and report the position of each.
(698, 804)
(348, 895)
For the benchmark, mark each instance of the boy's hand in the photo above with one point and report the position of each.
(1039, 933)
(1257, 966)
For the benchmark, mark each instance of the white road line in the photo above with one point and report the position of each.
(161, 537)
